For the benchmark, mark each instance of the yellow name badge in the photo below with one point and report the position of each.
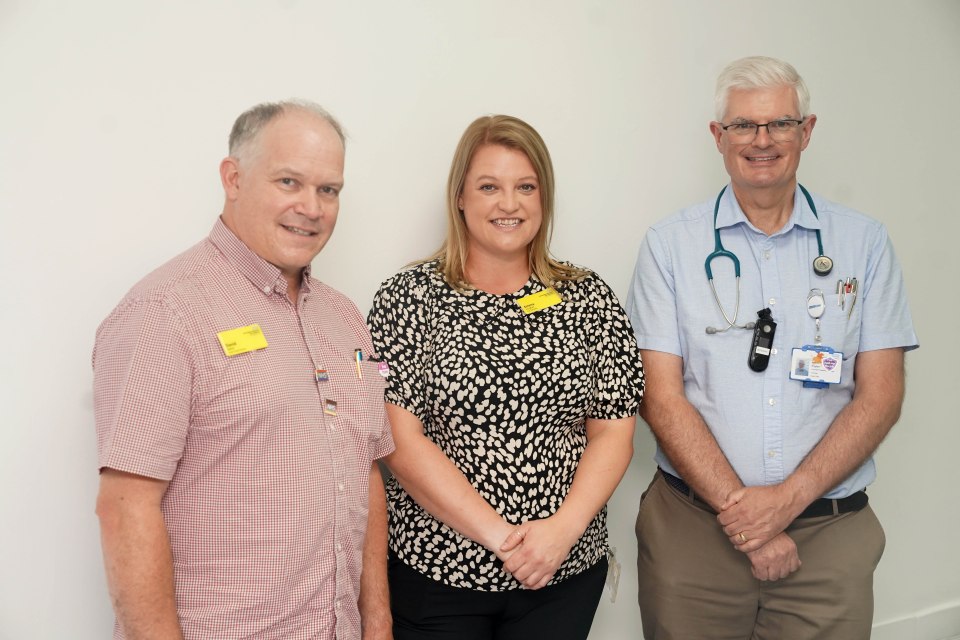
(539, 300)
(242, 339)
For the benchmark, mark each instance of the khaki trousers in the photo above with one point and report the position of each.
(695, 585)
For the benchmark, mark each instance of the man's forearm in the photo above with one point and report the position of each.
(694, 453)
(855, 433)
(858, 429)
(681, 431)
(138, 562)
(374, 602)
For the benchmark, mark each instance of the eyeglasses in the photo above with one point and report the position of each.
(779, 130)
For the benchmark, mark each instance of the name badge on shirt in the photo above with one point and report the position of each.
(816, 366)
(539, 300)
(242, 339)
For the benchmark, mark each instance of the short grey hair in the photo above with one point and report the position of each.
(251, 122)
(759, 72)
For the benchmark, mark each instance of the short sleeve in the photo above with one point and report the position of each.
(399, 328)
(885, 318)
(651, 301)
(143, 380)
(618, 375)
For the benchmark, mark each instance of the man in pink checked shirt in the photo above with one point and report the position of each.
(238, 422)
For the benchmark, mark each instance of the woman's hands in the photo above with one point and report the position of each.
(534, 551)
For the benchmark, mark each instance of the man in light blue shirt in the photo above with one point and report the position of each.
(767, 393)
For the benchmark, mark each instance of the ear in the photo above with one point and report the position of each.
(230, 177)
(808, 126)
(460, 203)
(716, 131)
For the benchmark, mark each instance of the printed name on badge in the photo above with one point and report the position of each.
(242, 340)
(539, 300)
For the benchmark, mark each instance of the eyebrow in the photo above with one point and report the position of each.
(287, 171)
(487, 177)
(751, 120)
(296, 174)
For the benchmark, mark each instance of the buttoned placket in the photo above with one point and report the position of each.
(765, 248)
(335, 450)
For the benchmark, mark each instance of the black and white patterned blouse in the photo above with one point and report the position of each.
(505, 396)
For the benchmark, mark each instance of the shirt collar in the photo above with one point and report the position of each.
(730, 213)
(263, 275)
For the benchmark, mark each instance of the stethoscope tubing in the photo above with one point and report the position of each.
(719, 251)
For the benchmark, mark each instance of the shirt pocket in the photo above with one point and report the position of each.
(361, 404)
(840, 329)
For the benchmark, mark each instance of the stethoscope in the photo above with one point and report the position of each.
(822, 265)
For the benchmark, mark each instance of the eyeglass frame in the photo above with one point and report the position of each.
(756, 127)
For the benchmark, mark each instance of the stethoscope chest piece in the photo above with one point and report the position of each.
(822, 265)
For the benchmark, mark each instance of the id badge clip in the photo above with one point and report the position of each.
(816, 366)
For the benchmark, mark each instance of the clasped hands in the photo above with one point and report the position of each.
(754, 519)
(533, 551)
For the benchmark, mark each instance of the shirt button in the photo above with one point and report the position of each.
(773, 351)
(766, 255)
(771, 454)
(340, 486)
(267, 290)
(771, 402)
(337, 605)
(339, 547)
(772, 301)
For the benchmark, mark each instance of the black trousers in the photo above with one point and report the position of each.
(426, 609)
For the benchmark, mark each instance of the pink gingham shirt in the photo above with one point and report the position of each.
(267, 503)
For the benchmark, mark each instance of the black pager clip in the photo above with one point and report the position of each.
(763, 333)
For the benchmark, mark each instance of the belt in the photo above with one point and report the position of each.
(817, 508)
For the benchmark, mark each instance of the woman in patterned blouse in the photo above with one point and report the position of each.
(513, 384)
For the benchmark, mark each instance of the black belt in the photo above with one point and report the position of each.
(817, 508)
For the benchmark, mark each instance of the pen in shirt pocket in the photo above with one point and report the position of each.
(358, 358)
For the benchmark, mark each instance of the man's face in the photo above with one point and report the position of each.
(283, 194)
(762, 163)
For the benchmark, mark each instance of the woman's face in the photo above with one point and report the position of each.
(500, 203)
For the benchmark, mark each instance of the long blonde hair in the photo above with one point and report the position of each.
(511, 133)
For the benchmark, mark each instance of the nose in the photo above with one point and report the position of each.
(310, 206)
(762, 139)
(509, 202)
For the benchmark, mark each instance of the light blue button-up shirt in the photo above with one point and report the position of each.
(764, 422)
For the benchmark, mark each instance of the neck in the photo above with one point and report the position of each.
(497, 276)
(767, 210)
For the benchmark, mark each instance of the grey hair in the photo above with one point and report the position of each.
(759, 72)
(249, 124)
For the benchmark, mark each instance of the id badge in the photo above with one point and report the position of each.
(816, 366)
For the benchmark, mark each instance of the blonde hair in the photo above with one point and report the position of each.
(512, 133)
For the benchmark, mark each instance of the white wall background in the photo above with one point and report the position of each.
(114, 115)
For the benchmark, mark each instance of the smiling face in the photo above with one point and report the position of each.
(762, 164)
(501, 205)
(283, 192)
